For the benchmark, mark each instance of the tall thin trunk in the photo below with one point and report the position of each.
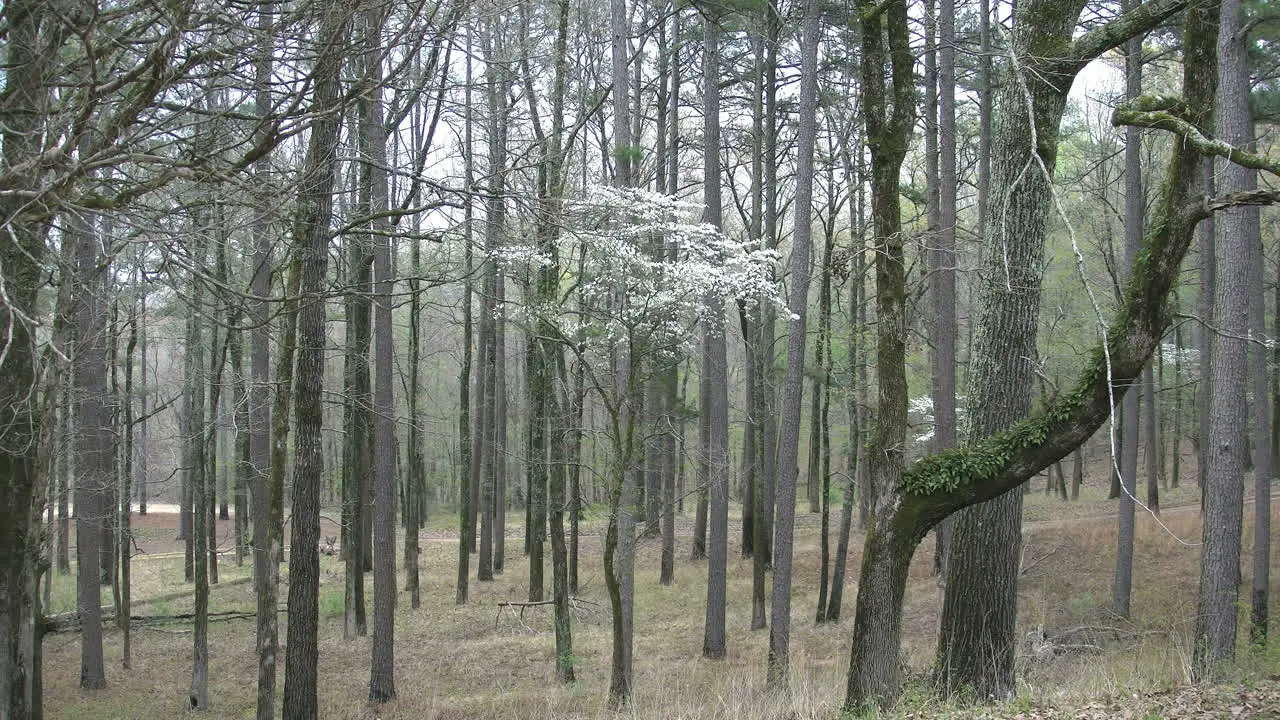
(792, 397)
(1236, 127)
(201, 506)
(767, 401)
(356, 417)
(854, 459)
(1228, 446)
(670, 374)
(266, 500)
(714, 362)
(382, 667)
(242, 463)
(466, 442)
(311, 231)
(1151, 437)
(944, 258)
(500, 420)
(92, 443)
(619, 550)
(124, 584)
(820, 433)
(29, 69)
(1207, 311)
(702, 466)
(1134, 204)
(1175, 435)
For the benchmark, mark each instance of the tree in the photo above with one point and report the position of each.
(311, 233)
(382, 671)
(468, 470)
(1227, 447)
(940, 484)
(714, 360)
(357, 447)
(266, 496)
(92, 442)
(1134, 207)
(976, 645)
(793, 388)
(200, 486)
(943, 257)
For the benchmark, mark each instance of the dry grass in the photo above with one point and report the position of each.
(468, 662)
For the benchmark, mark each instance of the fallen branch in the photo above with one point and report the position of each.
(574, 602)
(70, 622)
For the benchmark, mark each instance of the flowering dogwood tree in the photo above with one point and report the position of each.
(646, 274)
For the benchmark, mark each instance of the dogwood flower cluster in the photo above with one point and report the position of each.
(649, 270)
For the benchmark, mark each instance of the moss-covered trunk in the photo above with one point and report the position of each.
(945, 482)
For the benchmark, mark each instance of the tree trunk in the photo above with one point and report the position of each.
(944, 260)
(382, 667)
(714, 362)
(976, 646)
(1175, 440)
(820, 441)
(1207, 252)
(1151, 439)
(1235, 125)
(311, 231)
(1228, 443)
(499, 420)
(357, 418)
(671, 371)
(793, 389)
(467, 473)
(92, 444)
(201, 501)
(854, 460)
(266, 500)
(619, 546)
(1134, 205)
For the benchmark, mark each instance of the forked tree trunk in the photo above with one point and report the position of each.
(940, 484)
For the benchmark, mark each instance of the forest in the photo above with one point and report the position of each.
(806, 358)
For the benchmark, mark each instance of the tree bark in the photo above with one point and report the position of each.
(714, 362)
(311, 230)
(793, 389)
(201, 500)
(944, 260)
(943, 483)
(467, 445)
(357, 412)
(382, 667)
(976, 645)
(92, 443)
(1228, 444)
(266, 501)
(619, 546)
(1134, 205)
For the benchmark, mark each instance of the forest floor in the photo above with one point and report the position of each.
(482, 661)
